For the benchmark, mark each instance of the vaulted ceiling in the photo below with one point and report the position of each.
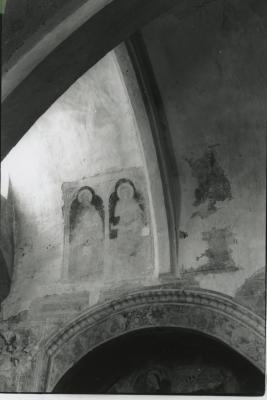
(23, 18)
(209, 60)
(36, 73)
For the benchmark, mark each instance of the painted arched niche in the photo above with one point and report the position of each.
(205, 312)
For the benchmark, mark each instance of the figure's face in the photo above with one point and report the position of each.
(85, 197)
(125, 191)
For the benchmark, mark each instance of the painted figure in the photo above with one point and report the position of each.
(127, 217)
(86, 233)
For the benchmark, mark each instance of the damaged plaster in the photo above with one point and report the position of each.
(252, 293)
(219, 253)
(213, 184)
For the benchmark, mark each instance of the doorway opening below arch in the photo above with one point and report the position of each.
(162, 361)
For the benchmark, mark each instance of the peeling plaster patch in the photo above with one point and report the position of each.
(183, 235)
(252, 292)
(188, 279)
(218, 253)
(59, 306)
(213, 185)
(22, 316)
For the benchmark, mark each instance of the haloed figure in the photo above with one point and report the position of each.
(129, 212)
(129, 215)
(89, 221)
(86, 235)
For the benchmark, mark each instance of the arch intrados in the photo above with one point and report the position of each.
(180, 331)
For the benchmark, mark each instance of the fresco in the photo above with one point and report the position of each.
(213, 184)
(218, 253)
(171, 379)
(128, 226)
(252, 293)
(127, 215)
(107, 227)
(86, 234)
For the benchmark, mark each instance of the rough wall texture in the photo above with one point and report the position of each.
(23, 18)
(252, 293)
(84, 222)
(210, 63)
(89, 132)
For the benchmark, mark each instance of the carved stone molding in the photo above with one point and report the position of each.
(206, 312)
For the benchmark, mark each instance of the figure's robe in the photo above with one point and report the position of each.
(86, 244)
(130, 225)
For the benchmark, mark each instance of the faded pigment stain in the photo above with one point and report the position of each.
(252, 293)
(219, 252)
(213, 185)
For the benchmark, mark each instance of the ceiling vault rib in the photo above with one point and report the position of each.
(162, 139)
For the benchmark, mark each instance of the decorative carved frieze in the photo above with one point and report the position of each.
(202, 311)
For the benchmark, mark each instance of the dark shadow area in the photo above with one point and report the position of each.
(68, 61)
(162, 361)
(4, 279)
(162, 137)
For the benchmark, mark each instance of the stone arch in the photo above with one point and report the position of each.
(37, 84)
(202, 311)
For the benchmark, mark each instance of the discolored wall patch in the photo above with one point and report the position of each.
(213, 184)
(252, 292)
(219, 251)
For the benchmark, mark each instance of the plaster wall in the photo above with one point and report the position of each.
(25, 19)
(88, 137)
(92, 136)
(210, 64)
